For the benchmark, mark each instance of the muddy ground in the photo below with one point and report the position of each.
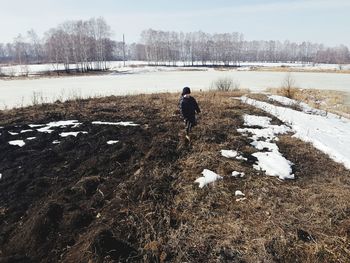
(83, 200)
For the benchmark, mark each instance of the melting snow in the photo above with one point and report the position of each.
(208, 177)
(232, 154)
(272, 162)
(252, 120)
(24, 131)
(237, 174)
(289, 102)
(75, 134)
(36, 125)
(260, 145)
(239, 193)
(329, 134)
(121, 123)
(47, 128)
(229, 153)
(19, 143)
(112, 142)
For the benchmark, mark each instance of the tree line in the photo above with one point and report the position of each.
(199, 48)
(87, 45)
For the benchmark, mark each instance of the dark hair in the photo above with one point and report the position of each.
(186, 90)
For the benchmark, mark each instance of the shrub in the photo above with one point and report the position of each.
(225, 84)
(288, 88)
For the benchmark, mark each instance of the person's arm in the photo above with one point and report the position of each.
(196, 106)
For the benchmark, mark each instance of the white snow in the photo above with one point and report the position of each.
(253, 120)
(30, 138)
(142, 66)
(75, 134)
(56, 142)
(19, 143)
(24, 131)
(237, 174)
(304, 107)
(208, 177)
(232, 154)
(274, 164)
(267, 133)
(36, 125)
(0, 176)
(13, 133)
(241, 158)
(239, 193)
(229, 153)
(121, 123)
(112, 142)
(260, 145)
(329, 134)
(48, 127)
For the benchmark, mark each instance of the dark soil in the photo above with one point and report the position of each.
(136, 201)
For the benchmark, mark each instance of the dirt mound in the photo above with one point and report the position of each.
(80, 199)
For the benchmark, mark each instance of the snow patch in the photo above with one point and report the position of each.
(121, 123)
(329, 134)
(56, 142)
(36, 125)
(232, 154)
(112, 142)
(253, 120)
(208, 177)
(75, 134)
(13, 133)
(268, 133)
(24, 131)
(19, 143)
(229, 153)
(239, 193)
(48, 127)
(237, 174)
(261, 145)
(271, 162)
(290, 102)
(30, 138)
(274, 164)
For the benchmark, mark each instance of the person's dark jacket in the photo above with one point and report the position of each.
(189, 107)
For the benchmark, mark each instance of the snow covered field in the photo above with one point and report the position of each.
(15, 93)
(18, 70)
(329, 134)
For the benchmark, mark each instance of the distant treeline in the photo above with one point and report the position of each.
(88, 45)
(164, 47)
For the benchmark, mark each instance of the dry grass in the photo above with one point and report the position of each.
(159, 210)
(308, 70)
(329, 100)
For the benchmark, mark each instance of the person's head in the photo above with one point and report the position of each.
(185, 91)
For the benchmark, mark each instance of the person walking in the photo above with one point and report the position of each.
(188, 108)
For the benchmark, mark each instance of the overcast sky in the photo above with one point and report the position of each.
(322, 21)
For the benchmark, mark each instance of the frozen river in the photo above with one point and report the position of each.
(15, 93)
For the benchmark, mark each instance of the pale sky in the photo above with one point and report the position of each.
(321, 21)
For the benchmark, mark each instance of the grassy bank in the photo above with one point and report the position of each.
(83, 200)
